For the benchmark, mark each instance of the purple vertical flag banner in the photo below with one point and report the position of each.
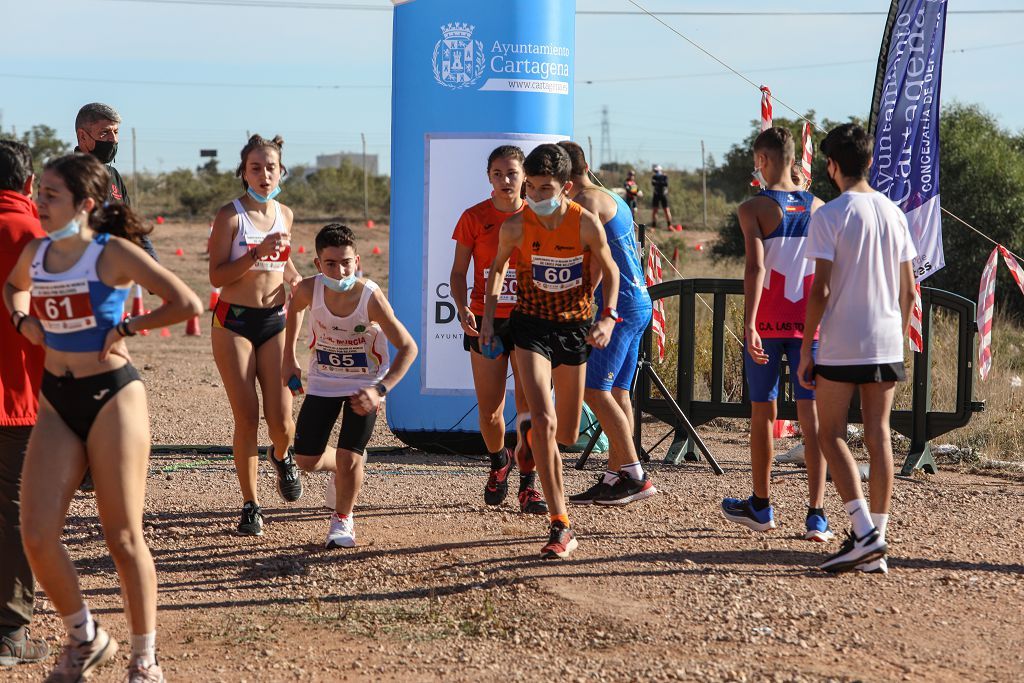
(905, 122)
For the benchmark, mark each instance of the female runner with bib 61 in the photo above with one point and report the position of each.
(67, 293)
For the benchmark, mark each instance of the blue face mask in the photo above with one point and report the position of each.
(339, 285)
(260, 198)
(70, 230)
(545, 207)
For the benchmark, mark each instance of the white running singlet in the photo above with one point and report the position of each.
(249, 238)
(347, 353)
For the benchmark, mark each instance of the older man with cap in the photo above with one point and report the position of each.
(97, 127)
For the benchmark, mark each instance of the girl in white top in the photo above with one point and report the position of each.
(250, 261)
(350, 369)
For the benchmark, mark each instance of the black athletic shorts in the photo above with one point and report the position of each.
(502, 329)
(560, 343)
(258, 325)
(78, 400)
(316, 420)
(659, 201)
(862, 374)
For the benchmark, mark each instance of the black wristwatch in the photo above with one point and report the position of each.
(381, 388)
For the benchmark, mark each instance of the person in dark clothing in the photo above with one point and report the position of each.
(659, 200)
(98, 129)
(21, 371)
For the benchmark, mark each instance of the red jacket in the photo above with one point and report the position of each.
(21, 363)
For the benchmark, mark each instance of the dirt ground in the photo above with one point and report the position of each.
(442, 587)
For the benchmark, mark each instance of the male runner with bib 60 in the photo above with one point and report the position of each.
(553, 321)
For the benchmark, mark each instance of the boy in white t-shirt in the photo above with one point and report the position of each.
(862, 297)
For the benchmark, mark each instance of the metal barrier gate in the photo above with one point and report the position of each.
(920, 424)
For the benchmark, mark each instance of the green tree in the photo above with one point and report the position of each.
(981, 179)
(44, 143)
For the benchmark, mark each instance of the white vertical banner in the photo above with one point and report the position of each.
(456, 179)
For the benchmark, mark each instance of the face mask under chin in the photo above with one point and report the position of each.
(545, 207)
(260, 198)
(70, 230)
(342, 285)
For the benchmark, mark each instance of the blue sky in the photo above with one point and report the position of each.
(659, 117)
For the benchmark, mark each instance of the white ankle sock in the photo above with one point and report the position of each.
(634, 470)
(610, 477)
(860, 518)
(80, 625)
(881, 522)
(144, 649)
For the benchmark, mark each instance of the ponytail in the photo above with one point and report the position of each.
(118, 220)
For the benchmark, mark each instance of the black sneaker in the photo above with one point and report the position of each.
(856, 551)
(252, 520)
(289, 483)
(497, 482)
(561, 542)
(627, 489)
(590, 495)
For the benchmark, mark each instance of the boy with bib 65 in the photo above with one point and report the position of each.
(350, 369)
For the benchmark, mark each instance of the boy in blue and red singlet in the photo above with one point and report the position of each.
(776, 283)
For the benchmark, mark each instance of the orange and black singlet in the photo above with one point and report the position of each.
(553, 272)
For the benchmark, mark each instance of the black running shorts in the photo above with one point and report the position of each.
(560, 343)
(316, 420)
(862, 374)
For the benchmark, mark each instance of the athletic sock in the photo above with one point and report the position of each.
(564, 519)
(759, 503)
(815, 511)
(527, 480)
(499, 459)
(860, 518)
(634, 469)
(144, 649)
(80, 625)
(610, 477)
(881, 522)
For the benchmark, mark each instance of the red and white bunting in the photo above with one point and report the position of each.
(808, 156)
(1015, 270)
(653, 277)
(916, 315)
(986, 308)
(766, 118)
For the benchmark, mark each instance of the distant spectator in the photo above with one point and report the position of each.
(659, 181)
(633, 192)
(97, 127)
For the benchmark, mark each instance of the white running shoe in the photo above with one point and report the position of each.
(330, 495)
(879, 566)
(342, 533)
(856, 551)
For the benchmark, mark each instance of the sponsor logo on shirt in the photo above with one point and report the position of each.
(799, 208)
(562, 247)
(115, 193)
(536, 246)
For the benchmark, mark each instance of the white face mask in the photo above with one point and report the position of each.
(545, 207)
(339, 285)
(70, 230)
(759, 177)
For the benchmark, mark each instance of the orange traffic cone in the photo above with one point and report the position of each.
(376, 250)
(302, 249)
(214, 298)
(179, 252)
(783, 429)
(699, 247)
(165, 332)
(192, 327)
(371, 224)
(138, 307)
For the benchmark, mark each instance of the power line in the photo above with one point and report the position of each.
(308, 5)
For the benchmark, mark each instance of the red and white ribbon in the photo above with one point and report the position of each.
(653, 277)
(1015, 270)
(986, 308)
(916, 315)
(766, 118)
(808, 156)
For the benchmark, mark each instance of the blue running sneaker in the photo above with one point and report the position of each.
(740, 510)
(818, 529)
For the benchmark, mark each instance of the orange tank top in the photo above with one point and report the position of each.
(553, 272)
